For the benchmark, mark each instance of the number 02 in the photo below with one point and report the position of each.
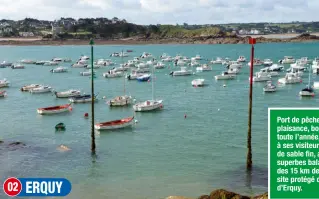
(13, 186)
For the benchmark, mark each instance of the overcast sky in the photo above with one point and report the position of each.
(166, 11)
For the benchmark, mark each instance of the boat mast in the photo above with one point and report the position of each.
(123, 71)
(152, 78)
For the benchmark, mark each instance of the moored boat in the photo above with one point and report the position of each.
(290, 78)
(3, 93)
(5, 64)
(67, 94)
(59, 70)
(54, 109)
(241, 59)
(29, 87)
(204, 67)
(41, 89)
(27, 61)
(4, 83)
(269, 87)
(149, 105)
(225, 76)
(18, 66)
(198, 82)
(120, 101)
(83, 99)
(143, 78)
(111, 74)
(182, 72)
(87, 73)
(50, 63)
(115, 124)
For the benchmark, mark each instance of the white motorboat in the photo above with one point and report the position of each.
(276, 67)
(261, 77)
(40, 62)
(151, 62)
(204, 67)
(94, 66)
(115, 54)
(50, 63)
(159, 65)
(57, 59)
(287, 60)
(4, 83)
(198, 82)
(5, 64)
(79, 65)
(142, 65)
(134, 75)
(67, 94)
(226, 61)
(182, 72)
(268, 62)
(305, 60)
(270, 87)
(121, 101)
(146, 55)
(257, 62)
(18, 66)
(195, 63)
(217, 61)
(41, 89)
(290, 78)
(164, 55)
(30, 87)
(27, 61)
(197, 57)
(233, 71)
(167, 59)
(84, 58)
(123, 54)
(241, 59)
(180, 63)
(234, 64)
(225, 76)
(271, 73)
(3, 93)
(113, 74)
(86, 73)
(59, 70)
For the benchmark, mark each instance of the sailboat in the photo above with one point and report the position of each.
(149, 105)
(121, 100)
(308, 91)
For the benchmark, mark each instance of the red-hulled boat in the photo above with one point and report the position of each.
(54, 109)
(115, 124)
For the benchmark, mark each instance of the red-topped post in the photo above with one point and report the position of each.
(249, 162)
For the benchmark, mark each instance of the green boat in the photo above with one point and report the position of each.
(60, 127)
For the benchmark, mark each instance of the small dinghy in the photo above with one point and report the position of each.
(270, 87)
(29, 87)
(59, 70)
(67, 94)
(79, 65)
(144, 78)
(115, 124)
(83, 99)
(4, 83)
(18, 66)
(50, 63)
(54, 109)
(41, 89)
(113, 74)
(3, 93)
(60, 127)
(198, 82)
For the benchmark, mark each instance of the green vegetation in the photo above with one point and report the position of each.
(116, 28)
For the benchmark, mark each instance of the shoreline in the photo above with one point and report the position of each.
(38, 41)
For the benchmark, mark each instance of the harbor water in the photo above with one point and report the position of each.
(164, 153)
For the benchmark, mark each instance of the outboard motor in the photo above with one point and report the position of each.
(51, 70)
(171, 73)
(280, 61)
(129, 77)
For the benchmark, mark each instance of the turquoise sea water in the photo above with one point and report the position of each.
(164, 154)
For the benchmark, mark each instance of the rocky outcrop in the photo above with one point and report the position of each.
(11, 145)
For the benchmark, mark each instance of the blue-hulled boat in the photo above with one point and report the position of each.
(82, 99)
(143, 78)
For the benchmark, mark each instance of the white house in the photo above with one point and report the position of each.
(56, 30)
(26, 34)
(254, 32)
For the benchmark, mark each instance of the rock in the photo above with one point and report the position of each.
(203, 197)
(223, 194)
(263, 196)
(177, 197)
